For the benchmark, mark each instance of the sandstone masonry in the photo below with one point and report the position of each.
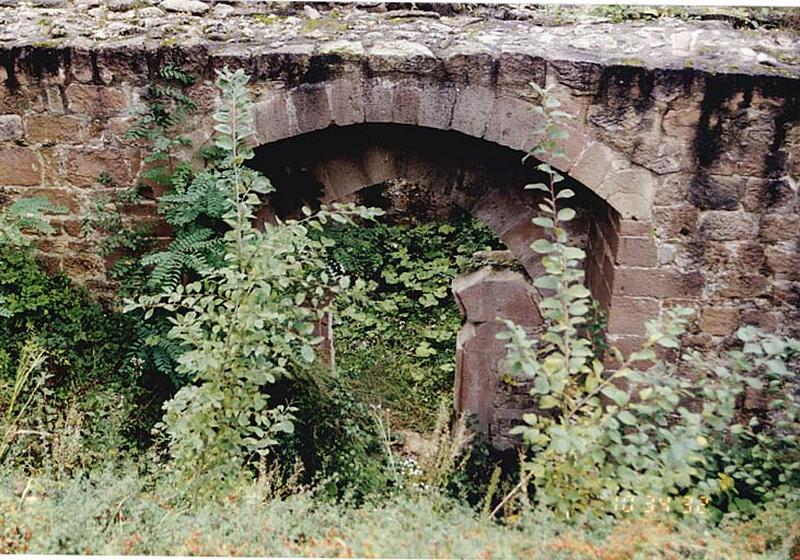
(685, 141)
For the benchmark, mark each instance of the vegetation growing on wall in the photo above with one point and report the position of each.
(667, 463)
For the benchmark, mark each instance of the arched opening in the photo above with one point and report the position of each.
(421, 175)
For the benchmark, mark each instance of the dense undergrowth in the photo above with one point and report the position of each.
(397, 346)
(265, 448)
(125, 512)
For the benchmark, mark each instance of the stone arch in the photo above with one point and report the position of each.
(618, 232)
(483, 112)
(452, 170)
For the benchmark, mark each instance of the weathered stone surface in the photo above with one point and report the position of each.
(629, 191)
(60, 197)
(311, 108)
(346, 101)
(779, 227)
(10, 127)
(627, 315)
(676, 221)
(594, 164)
(636, 251)
(487, 295)
(401, 56)
(47, 129)
(715, 192)
(719, 225)
(483, 296)
(472, 110)
(660, 283)
(511, 123)
(84, 166)
(720, 321)
(19, 166)
(190, 6)
(436, 107)
(95, 100)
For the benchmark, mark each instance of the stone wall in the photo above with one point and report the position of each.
(685, 137)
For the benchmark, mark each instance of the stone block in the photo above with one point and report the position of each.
(379, 102)
(741, 285)
(342, 176)
(518, 69)
(406, 102)
(380, 164)
(769, 321)
(657, 283)
(478, 364)
(721, 255)
(311, 108)
(593, 165)
(19, 166)
(274, 119)
(662, 155)
(502, 210)
(719, 225)
(627, 315)
(61, 197)
(436, 107)
(573, 146)
(95, 100)
(628, 191)
(719, 321)
(782, 262)
(519, 239)
(673, 189)
(346, 100)
(779, 227)
(469, 64)
(675, 221)
(636, 251)
(472, 110)
(84, 166)
(511, 123)
(487, 294)
(716, 192)
(10, 127)
(52, 129)
(633, 228)
(402, 57)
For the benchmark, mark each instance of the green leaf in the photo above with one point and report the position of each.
(307, 353)
(548, 402)
(627, 418)
(615, 394)
(566, 214)
(542, 246)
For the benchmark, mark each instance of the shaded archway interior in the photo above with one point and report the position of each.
(421, 173)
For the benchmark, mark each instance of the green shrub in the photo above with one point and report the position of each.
(636, 437)
(88, 374)
(397, 345)
(336, 439)
(251, 322)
